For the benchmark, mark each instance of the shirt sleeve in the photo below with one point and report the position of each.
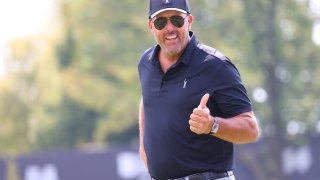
(230, 97)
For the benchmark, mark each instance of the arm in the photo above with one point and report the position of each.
(239, 129)
(142, 152)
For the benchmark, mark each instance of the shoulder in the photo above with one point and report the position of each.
(212, 52)
(217, 60)
(214, 58)
(147, 55)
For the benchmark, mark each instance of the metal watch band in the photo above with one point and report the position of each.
(215, 126)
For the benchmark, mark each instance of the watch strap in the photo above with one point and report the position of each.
(215, 126)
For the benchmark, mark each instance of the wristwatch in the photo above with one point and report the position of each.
(215, 126)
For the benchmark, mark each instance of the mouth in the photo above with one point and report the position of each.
(171, 37)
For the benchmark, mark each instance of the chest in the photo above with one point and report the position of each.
(179, 87)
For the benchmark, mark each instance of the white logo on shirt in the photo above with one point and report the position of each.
(185, 83)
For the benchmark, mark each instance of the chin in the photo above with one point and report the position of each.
(173, 52)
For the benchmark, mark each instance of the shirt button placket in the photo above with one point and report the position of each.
(163, 82)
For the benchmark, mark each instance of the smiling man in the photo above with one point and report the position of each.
(194, 106)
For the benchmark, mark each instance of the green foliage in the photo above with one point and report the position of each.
(97, 58)
(73, 120)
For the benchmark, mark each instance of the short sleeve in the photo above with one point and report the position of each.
(230, 97)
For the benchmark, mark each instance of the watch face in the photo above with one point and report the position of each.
(215, 126)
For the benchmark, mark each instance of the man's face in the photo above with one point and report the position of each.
(172, 39)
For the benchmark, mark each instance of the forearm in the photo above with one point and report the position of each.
(143, 156)
(239, 129)
(142, 152)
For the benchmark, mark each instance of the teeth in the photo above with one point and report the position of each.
(171, 37)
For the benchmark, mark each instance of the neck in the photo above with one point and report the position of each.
(166, 61)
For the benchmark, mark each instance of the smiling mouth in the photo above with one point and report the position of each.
(171, 37)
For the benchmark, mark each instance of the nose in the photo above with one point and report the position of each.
(169, 25)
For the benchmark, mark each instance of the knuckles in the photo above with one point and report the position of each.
(200, 111)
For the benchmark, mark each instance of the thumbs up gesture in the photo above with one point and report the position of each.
(200, 120)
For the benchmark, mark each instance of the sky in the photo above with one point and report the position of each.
(315, 8)
(22, 18)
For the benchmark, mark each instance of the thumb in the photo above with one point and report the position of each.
(204, 100)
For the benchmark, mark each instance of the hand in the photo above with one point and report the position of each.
(200, 120)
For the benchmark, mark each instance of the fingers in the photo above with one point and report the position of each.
(204, 100)
(194, 124)
(198, 124)
(195, 130)
(198, 128)
(201, 112)
(198, 118)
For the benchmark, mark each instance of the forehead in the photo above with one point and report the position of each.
(168, 13)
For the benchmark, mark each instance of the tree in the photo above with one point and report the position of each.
(97, 58)
(275, 53)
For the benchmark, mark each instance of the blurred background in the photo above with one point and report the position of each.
(69, 86)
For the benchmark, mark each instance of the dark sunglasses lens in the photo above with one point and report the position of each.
(177, 21)
(160, 23)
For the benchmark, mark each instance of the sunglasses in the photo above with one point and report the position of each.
(161, 22)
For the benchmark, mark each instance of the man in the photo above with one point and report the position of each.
(194, 106)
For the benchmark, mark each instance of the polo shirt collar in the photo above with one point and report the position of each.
(186, 55)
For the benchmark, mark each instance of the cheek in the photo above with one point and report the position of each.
(156, 36)
(186, 31)
(188, 27)
(154, 33)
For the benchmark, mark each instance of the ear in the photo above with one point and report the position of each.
(190, 20)
(150, 24)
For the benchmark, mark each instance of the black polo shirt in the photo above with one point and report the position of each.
(172, 149)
